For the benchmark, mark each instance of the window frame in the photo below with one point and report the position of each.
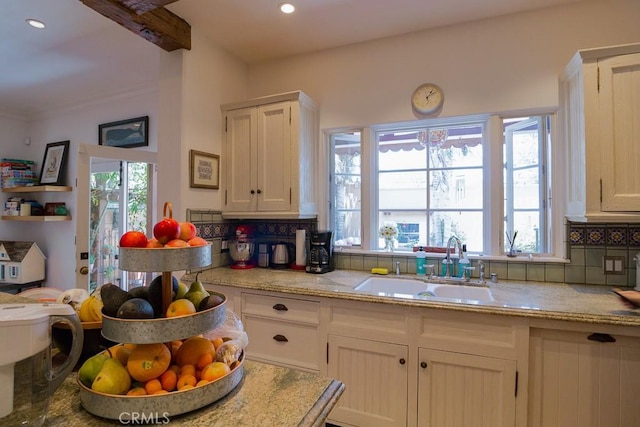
(493, 200)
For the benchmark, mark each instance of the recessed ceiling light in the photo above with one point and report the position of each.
(287, 8)
(35, 23)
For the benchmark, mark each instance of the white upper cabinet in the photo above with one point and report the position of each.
(268, 159)
(600, 119)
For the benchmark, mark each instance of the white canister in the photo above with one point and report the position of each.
(25, 209)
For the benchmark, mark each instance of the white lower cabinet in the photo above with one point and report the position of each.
(465, 390)
(282, 330)
(584, 379)
(375, 378)
(412, 366)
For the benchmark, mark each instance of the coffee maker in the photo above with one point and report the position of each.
(320, 259)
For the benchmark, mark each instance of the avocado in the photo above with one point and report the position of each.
(210, 301)
(112, 298)
(139, 292)
(135, 308)
(155, 294)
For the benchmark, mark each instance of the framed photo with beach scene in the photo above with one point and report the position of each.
(54, 163)
(125, 133)
(204, 170)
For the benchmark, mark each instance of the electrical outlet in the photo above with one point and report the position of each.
(613, 265)
(225, 245)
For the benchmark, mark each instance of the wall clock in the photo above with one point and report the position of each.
(427, 99)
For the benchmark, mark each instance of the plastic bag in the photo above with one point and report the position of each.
(234, 337)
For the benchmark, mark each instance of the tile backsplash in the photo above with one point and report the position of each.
(586, 245)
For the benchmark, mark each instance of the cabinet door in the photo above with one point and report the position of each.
(619, 101)
(578, 382)
(375, 378)
(274, 157)
(462, 390)
(241, 183)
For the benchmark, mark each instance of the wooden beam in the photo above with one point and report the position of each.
(142, 6)
(159, 26)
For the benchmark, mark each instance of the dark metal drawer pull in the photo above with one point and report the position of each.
(280, 307)
(601, 337)
(402, 361)
(280, 338)
(423, 365)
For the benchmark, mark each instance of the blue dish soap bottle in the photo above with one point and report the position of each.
(421, 262)
(464, 262)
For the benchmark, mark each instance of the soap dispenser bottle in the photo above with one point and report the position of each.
(464, 262)
(421, 262)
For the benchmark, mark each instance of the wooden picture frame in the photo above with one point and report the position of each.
(204, 170)
(54, 163)
(125, 133)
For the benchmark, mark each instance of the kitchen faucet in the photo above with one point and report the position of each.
(481, 268)
(447, 259)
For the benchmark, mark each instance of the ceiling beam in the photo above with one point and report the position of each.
(158, 25)
(142, 6)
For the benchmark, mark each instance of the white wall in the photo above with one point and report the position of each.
(194, 83)
(79, 125)
(13, 131)
(506, 63)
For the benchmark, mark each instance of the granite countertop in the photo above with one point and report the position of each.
(267, 395)
(541, 300)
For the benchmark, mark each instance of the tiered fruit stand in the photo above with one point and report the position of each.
(149, 331)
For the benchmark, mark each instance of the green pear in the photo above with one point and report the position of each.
(183, 288)
(91, 367)
(113, 378)
(196, 293)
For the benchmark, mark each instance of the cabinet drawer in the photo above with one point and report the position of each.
(470, 332)
(282, 342)
(275, 307)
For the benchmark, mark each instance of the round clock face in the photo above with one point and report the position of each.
(427, 99)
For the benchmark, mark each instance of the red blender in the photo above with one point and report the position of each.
(241, 248)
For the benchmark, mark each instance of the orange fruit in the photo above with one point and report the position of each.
(180, 307)
(174, 346)
(186, 381)
(161, 392)
(148, 361)
(169, 380)
(215, 370)
(175, 368)
(202, 382)
(122, 353)
(152, 386)
(137, 391)
(217, 342)
(192, 349)
(204, 360)
(187, 370)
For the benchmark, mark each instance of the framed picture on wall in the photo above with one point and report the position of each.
(125, 133)
(54, 163)
(204, 170)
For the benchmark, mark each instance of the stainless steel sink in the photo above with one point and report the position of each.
(417, 289)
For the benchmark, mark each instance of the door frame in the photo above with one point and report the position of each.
(83, 187)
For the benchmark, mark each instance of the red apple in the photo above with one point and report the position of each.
(197, 241)
(154, 244)
(165, 230)
(176, 243)
(133, 239)
(187, 231)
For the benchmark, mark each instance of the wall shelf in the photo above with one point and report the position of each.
(37, 188)
(38, 218)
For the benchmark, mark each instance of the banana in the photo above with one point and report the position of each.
(85, 311)
(95, 306)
